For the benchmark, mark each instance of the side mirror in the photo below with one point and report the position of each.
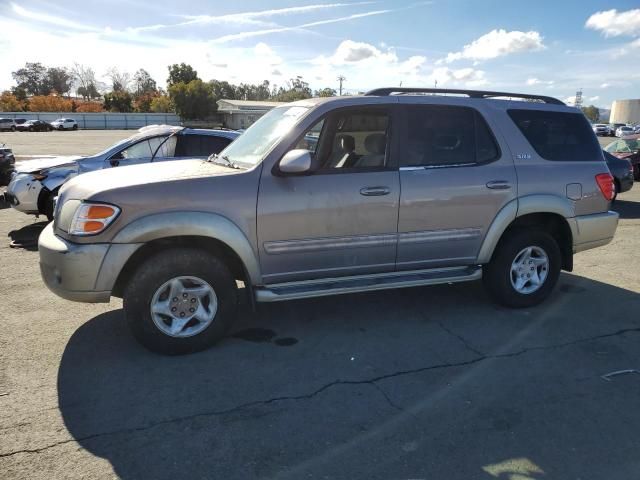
(295, 162)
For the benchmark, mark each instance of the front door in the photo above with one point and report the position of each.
(341, 218)
(455, 178)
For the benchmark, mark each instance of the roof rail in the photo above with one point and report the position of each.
(383, 92)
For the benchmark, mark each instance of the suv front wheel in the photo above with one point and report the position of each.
(180, 301)
(524, 269)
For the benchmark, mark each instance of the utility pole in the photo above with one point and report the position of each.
(341, 79)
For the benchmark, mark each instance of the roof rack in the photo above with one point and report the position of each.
(383, 92)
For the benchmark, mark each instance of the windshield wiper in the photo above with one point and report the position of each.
(227, 162)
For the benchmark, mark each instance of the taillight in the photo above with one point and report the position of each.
(607, 187)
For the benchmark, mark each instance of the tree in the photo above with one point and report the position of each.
(182, 73)
(296, 89)
(223, 89)
(58, 80)
(118, 101)
(10, 103)
(49, 103)
(32, 78)
(161, 104)
(144, 84)
(193, 100)
(85, 81)
(88, 93)
(591, 112)
(89, 107)
(326, 92)
(120, 81)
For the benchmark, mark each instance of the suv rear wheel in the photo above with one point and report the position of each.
(524, 269)
(180, 301)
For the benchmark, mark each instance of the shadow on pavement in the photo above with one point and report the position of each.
(626, 209)
(27, 236)
(250, 409)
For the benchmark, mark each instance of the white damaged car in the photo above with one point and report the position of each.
(35, 183)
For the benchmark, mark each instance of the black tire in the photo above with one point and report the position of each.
(31, 129)
(61, 128)
(616, 185)
(164, 266)
(75, 127)
(13, 128)
(497, 273)
(48, 205)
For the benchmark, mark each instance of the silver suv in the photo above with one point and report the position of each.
(396, 188)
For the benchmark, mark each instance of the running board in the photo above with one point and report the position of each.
(365, 283)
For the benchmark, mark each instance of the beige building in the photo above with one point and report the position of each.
(625, 111)
(237, 114)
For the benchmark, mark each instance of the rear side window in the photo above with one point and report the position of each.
(447, 136)
(193, 145)
(558, 136)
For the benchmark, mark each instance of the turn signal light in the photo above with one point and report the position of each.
(607, 187)
(91, 218)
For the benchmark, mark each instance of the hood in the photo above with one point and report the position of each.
(88, 184)
(35, 165)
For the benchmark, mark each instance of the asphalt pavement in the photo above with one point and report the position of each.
(422, 383)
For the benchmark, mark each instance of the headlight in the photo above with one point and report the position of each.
(92, 218)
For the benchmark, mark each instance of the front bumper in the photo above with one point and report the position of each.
(81, 272)
(591, 231)
(23, 192)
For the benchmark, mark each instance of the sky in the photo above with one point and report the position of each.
(545, 47)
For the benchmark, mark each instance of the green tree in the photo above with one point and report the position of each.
(32, 78)
(118, 101)
(144, 84)
(59, 80)
(193, 100)
(591, 112)
(181, 73)
(161, 104)
(326, 92)
(88, 93)
(296, 89)
(223, 89)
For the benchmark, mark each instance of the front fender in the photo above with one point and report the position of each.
(55, 180)
(201, 224)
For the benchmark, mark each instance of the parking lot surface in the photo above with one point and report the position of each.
(422, 383)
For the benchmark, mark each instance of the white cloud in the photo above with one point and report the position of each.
(613, 23)
(498, 43)
(536, 81)
(50, 19)
(267, 31)
(605, 85)
(594, 98)
(468, 77)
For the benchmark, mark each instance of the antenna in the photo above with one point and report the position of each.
(341, 79)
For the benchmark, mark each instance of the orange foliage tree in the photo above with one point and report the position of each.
(10, 103)
(49, 103)
(89, 107)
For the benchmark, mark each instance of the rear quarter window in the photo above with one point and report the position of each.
(558, 136)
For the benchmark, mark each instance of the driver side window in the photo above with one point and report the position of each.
(138, 150)
(349, 139)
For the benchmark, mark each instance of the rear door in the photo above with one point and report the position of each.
(455, 177)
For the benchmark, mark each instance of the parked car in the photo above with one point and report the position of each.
(19, 121)
(629, 149)
(34, 126)
(601, 129)
(64, 124)
(7, 161)
(7, 124)
(622, 172)
(624, 131)
(36, 182)
(510, 207)
(613, 127)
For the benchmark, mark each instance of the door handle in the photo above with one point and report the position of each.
(375, 191)
(499, 185)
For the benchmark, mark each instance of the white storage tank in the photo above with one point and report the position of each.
(625, 111)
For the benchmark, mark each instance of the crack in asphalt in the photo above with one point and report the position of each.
(372, 381)
(463, 340)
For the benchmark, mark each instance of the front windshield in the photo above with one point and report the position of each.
(624, 146)
(251, 147)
